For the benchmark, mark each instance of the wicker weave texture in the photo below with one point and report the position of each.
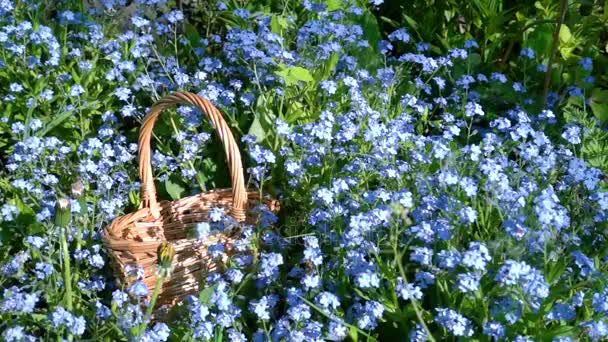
(133, 239)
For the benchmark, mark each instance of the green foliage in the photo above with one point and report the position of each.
(296, 94)
(502, 28)
(293, 75)
(595, 144)
(599, 104)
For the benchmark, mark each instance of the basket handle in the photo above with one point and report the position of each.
(148, 194)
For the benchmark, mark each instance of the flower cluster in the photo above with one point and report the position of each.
(424, 198)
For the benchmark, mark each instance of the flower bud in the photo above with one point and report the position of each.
(78, 188)
(78, 193)
(401, 212)
(166, 252)
(63, 213)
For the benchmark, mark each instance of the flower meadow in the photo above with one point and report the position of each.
(425, 196)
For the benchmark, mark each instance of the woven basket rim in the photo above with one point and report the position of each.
(223, 131)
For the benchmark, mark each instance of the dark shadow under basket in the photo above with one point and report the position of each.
(132, 240)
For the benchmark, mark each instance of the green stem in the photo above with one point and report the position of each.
(517, 35)
(67, 272)
(175, 46)
(157, 287)
(413, 300)
(324, 313)
(554, 46)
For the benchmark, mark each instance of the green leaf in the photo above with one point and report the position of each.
(218, 334)
(564, 34)
(26, 215)
(410, 21)
(192, 34)
(300, 74)
(174, 189)
(205, 295)
(566, 51)
(201, 178)
(59, 119)
(134, 197)
(474, 59)
(599, 104)
(540, 39)
(278, 24)
(333, 5)
(256, 129)
(328, 67)
(448, 14)
(372, 33)
(76, 76)
(539, 5)
(38, 317)
(295, 111)
(293, 75)
(353, 334)
(391, 22)
(555, 272)
(274, 25)
(562, 331)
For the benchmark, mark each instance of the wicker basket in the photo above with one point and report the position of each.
(133, 239)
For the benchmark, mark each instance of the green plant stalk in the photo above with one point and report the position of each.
(175, 50)
(159, 284)
(83, 132)
(563, 8)
(505, 58)
(322, 312)
(261, 191)
(160, 61)
(78, 247)
(413, 300)
(67, 273)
